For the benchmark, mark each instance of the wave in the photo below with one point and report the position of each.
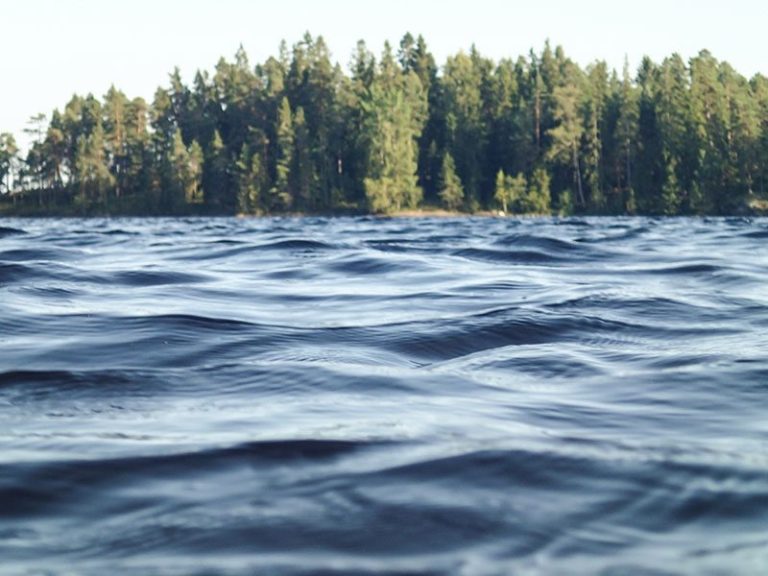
(295, 245)
(365, 395)
(508, 256)
(545, 243)
(139, 278)
(8, 231)
(756, 234)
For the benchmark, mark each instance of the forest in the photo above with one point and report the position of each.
(299, 133)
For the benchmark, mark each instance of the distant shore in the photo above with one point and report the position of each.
(534, 135)
(440, 213)
(755, 207)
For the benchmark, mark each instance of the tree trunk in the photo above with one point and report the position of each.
(577, 171)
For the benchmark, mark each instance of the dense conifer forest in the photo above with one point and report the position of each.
(395, 131)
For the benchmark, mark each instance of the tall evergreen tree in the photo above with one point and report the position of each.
(303, 174)
(594, 134)
(216, 175)
(251, 182)
(566, 135)
(92, 172)
(466, 127)
(281, 194)
(395, 111)
(651, 172)
(623, 145)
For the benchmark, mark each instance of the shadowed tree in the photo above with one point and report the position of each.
(251, 182)
(566, 135)
(281, 194)
(465, 125)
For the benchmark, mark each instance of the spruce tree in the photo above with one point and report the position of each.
(302, 172)
(250, 182)
(281, 194)
(566, 135)
(538, 198)
(395, 110)
(451, 190)
(216, 185)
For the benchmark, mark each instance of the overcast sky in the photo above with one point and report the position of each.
(50, 49)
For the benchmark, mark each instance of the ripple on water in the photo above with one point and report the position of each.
(367, 395)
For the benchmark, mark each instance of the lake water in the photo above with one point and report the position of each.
(383, 396)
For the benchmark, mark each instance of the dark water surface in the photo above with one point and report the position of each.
(352, 396)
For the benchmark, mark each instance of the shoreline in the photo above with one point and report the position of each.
(755, 208)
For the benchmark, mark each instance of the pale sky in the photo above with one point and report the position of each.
(50, 49)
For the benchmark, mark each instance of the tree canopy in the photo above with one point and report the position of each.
(537, 134)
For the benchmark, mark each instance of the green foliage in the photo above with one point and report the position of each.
(465, 123)
(537, 200)
(8, 152)
(565, 203)
(303, 172)
(670, 191)
(630, 207)
(281, 194)
(394, 114)
(297, 133)
(92, 173)
(382, 194)
(188, 171)
(216, 173)
(250, 182)
(566, 136)
(519, 195)
(451, 190)
(510, 191)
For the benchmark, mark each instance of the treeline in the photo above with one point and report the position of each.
(297, 134)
